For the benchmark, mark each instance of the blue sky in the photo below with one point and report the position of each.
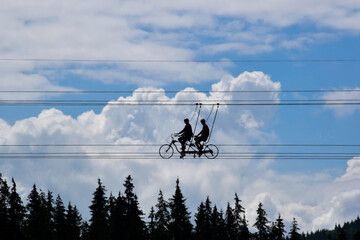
(319, 193)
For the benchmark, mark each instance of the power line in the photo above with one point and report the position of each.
(179, 104)
(198, 101)
(159, 144)
(152, 153)
(71, 157)
(179, 91)
(180, 60)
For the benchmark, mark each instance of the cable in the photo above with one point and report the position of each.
(130, 101)
(159, 144)
(178, 104)
(179, 91)
(159, 158)
(180, 60)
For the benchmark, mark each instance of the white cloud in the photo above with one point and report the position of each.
(161, 30)
(348, 95)
(316, 200)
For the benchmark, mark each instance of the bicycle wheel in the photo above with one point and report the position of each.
(166, 151)
(211, 151)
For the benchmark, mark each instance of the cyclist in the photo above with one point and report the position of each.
(202, 135)
(185, 135)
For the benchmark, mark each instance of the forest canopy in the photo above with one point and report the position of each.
(46, 217)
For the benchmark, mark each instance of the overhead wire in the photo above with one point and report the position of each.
(180, 60)
(181, 104)
(180, 91)
(153, 154)
(159, 144)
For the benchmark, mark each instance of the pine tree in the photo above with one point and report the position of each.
(4, 210)
(99, 214)
(73, 221)
(218, 224)
(204, 228)
(47, 203)
(162, 218)
(59, 219)
(16, 214)
(135, 226)
(294, 234)
(244, 233)
(261, 224)
(180, 226)
(112, 217)
(241, 228)
(151, 224)
(231, 229)
(85, 228)
(35, 217)
(200, 227)
(278, 230)
(117, 218)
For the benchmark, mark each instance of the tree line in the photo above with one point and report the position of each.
(45, 217)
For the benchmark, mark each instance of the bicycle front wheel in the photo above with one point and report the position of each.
(166, 151)
(211, 151)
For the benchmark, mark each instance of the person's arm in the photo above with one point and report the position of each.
(199, 133)
(182, 131)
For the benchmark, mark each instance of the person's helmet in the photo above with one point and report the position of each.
(202, 121)
(186, 120)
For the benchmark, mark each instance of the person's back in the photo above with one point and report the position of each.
(185, 135)
(205, 132)
(187, 131)
(202, 136)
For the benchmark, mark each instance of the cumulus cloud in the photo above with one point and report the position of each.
(316, 200)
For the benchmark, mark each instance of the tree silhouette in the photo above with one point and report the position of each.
(161, 218)
(278, 229)
(99, 214)
(59, 219)
(261, 224)
(230, 224)
(16, 214)
(117, 218)
(203, 219)
(120, 217)
(73, 223)
(293, 233)
(180, 226)
(35, 217)
(151, 224)
(135, 226)
(200, 227)
(4, 210)
(241, 226)
(218, 224)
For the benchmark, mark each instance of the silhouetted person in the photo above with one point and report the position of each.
(185, 135)
(202, 135)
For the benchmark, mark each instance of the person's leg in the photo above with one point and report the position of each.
(182, 140)
(197, 142)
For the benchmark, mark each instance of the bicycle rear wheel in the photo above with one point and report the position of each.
(211, 151)
(166, 151)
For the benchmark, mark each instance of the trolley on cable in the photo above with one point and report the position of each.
(210, 151)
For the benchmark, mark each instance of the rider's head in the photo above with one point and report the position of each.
(186, 120)
(202, 121)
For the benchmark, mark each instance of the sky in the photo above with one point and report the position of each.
(174, 51)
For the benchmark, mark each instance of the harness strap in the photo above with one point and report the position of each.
(212, 126)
